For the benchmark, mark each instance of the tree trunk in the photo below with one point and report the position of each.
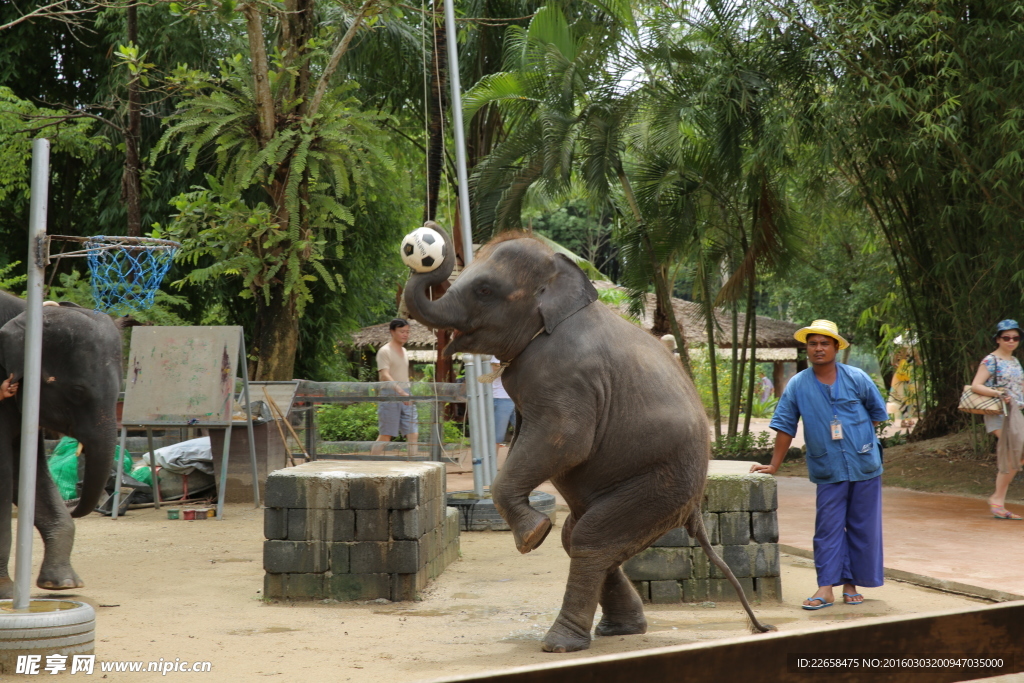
(712, 359)
(277, 336)
(436, 103)
(131, 180)
(265, 112)
(752, 320)
(734, 371)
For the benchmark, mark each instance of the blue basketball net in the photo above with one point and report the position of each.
(126, 277)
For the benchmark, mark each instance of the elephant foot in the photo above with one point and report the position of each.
(562, 638)
(610, 626)
(61, 580)
(6, 588)
(532, 532)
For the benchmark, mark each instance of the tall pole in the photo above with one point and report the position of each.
(32, 371)
(477, 401)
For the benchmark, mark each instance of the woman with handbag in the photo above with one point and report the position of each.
(1001, 375)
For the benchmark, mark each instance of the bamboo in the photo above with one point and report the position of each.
(279, 416)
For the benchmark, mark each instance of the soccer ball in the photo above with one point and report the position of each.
(423, 250)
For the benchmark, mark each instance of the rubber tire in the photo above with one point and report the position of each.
(483, 516)
(67, 631)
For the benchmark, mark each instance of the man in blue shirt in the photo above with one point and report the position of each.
(840, 407)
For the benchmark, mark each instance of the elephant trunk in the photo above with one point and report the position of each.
(98, 452)
(445, 312)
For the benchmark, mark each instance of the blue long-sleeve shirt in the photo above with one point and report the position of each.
(854, 400)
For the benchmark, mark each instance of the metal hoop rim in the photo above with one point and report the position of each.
(96, 243)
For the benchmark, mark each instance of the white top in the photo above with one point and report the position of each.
(398, 366)
(499, 391)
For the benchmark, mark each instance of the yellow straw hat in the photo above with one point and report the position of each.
(825, 327)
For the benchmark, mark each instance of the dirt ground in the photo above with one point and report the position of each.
(192, 591)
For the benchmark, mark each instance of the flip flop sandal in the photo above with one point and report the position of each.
(853, 598)
(999, 512)
(823, 604)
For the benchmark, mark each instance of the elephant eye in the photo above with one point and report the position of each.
(483, 290)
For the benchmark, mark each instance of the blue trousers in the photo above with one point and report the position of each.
(848, 533)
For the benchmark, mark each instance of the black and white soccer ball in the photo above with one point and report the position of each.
(423, 249)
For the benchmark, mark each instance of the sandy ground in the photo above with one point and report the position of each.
(192, 591)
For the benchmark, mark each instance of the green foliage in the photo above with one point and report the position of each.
(77, 290)
(740, 445)
(357, 422)
(317, 172)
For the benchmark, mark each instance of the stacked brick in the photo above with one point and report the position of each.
(740, 517)
(357, 530)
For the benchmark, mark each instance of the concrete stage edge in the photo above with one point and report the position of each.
(988, 632)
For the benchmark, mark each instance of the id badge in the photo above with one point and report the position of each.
(837, 430)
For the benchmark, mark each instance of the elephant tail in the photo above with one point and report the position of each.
(695, 527)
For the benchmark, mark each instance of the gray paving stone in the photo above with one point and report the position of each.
(340, 557)
(368, 557)
(359, 586)
(738, 559)
(372, 525)
(695, 590)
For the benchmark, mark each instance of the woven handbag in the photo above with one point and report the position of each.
(977, 404)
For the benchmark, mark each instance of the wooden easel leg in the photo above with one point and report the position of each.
(154, 468)
(223, 488)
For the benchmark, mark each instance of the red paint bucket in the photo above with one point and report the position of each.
(188, 515)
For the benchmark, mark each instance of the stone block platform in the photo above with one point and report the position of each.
(740, 515)
(357, 530)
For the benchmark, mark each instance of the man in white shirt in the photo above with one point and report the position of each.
(393, 417)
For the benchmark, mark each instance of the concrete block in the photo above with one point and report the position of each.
(769, 589)
(703, 568)
(408, 586)
(451, 524)
(369, 557)
(666, 592)
(285, 492)
(644, 589)
(359, 586)
(673, 539)
(741, 493)
(275, 523)
(711, 526)
(362, 485)
(340, 557)
(391, 490)
(343, 526)
(657, 564)
(695, 590)
(734, 528)
(404, 557)
(408, 525)
(738, 559)
(372, 525)
(765, 559)
(765, 527)
(294, 586)
(294, 557)
(721, 590)
(306, 486)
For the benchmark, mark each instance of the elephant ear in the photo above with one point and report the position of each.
(566, 293)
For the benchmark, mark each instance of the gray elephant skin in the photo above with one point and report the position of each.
(603, 411)
(79, 385)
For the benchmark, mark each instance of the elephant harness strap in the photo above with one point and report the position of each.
(491, 376)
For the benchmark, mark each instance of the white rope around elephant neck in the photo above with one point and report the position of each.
(491, 376)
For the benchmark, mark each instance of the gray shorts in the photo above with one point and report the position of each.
(993, 422)
(397, 418)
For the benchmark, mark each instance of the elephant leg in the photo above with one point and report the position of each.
(533, 458)
(613, 529)
(7, 484)
(58, 531)
(621, 607)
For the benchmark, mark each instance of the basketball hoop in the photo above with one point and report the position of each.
(125, 272)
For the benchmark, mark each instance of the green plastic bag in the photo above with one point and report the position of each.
(143, 474)
(63, 464)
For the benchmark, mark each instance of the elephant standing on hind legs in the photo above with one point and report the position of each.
(603, 411)
(79, 385)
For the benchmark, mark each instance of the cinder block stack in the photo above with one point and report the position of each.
(740, 515)
(357, 530)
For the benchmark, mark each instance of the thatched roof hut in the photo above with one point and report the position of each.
(771, 333)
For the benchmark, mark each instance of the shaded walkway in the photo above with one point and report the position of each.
(938, 535)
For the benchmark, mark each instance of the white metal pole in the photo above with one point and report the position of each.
(476, 407)
(475, 431)
(33, 370)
